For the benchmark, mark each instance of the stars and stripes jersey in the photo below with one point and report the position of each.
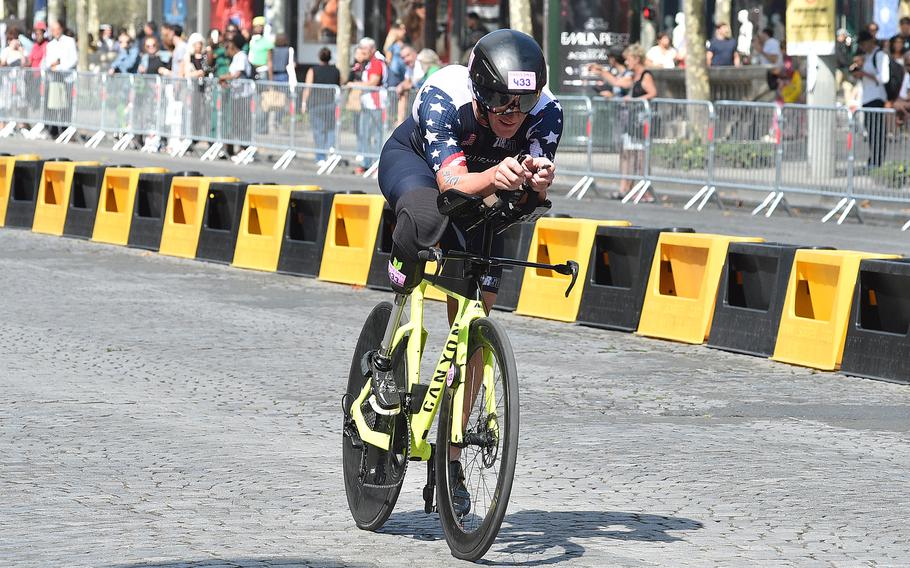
(447, 132)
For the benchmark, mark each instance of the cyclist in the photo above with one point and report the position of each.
(466, 128)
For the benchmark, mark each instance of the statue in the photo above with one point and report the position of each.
(679, 33)
(744, 41)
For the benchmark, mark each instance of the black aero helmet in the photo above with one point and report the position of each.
(507, 68)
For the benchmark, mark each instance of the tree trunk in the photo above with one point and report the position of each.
(55, 11)
(343, 39)
(93, 21)
(698, 86)
(723, 12)
(82, 35)
(520, 16)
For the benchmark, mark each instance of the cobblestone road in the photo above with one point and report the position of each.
(160, 412)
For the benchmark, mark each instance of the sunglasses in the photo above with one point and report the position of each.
(502, 104)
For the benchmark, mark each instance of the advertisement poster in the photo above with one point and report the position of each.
(237, 12)
(590, 31)
(175, 12)
(317, 26)
(810, 27)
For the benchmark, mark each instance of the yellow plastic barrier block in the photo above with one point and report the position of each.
(682, 286)
(351, 238)
(7, 166)
(265, 212)
(813, 325)
(116, 203)
(54, 196)
(184, 213)
(557, 240)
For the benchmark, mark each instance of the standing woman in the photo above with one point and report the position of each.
(280, 58)
(196, 67)
(319, 103)
(641, 86)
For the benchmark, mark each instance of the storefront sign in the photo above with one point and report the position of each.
(589, 31)
(810, 27)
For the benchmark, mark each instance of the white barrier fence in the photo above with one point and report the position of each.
(762, 147)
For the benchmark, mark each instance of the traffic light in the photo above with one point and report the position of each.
(649, 13)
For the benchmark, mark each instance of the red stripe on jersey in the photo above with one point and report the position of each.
(456, 159)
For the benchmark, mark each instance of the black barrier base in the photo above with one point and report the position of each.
(618, 272)
(83, 205)
(152, 193)
(221, 222)
(378, 277)
(517, 243)
(878, 335)
(23, 194)
(304, 232)
(750, 297)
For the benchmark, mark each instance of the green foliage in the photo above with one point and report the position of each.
(685, 155)
(745, 155)
(894, 174)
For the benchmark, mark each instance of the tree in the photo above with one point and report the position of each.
(82, 34)
(520, 16)
(723, 11)
(698, 86)
(343, 39)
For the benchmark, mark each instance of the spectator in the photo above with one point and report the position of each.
(240, 65)
(722, 48)
(149, 29)
(107, 47)
(896, 48)
(842, 56)
(874, 75)
(61, 56)
(281, 60)
(127, 60)
(319, 103)
(413, 23)
(372, 72)
(641, 86)
(172, 37)
(394, 43)
(429, 63)
(613, 76)
(39, 48)
(13, 55)
(240, 95)
(474, 30)
(218, 59)
(872, 28)
(767, 49)
(404, 88)
(62, 53)
(790, 86)
(196, 63)
(260, 47)
(904, 35)
(662, 55)
(153, 61)
(902, 104)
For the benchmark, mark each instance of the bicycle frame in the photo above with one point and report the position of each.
(452, 363)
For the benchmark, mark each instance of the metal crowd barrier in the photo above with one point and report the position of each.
(778, 150)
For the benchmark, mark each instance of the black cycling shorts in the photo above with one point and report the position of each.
(403, 171)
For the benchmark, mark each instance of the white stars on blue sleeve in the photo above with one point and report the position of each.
(435, 153)
(436, 107)
(451, 142)
(551, 138)
(430, 137)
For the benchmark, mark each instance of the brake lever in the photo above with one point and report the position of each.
(432, 254)
(570, 268)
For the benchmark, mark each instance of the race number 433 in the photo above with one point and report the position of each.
(522, 80)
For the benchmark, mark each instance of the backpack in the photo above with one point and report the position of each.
(895, 76)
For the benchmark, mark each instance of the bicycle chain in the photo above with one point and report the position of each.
(407, 458)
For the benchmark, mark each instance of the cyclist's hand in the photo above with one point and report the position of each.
(542, 173)
(509, 175)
